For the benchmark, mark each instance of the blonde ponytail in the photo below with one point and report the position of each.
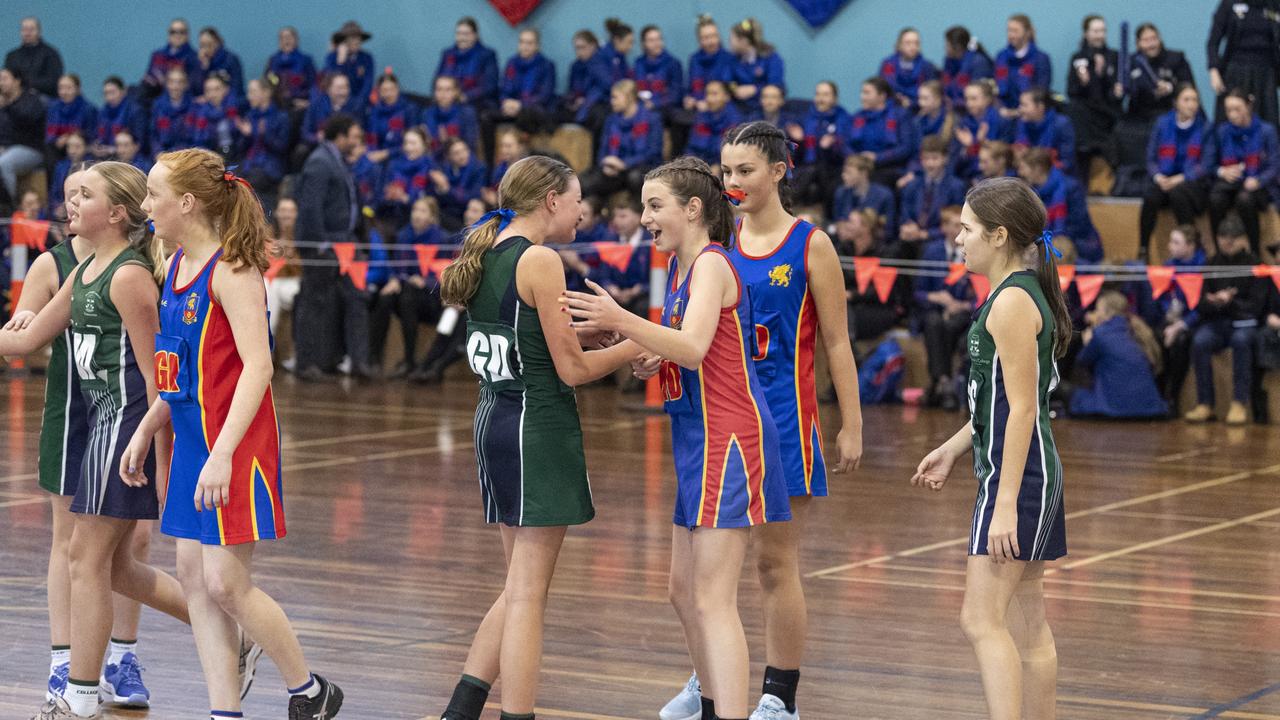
(459, 281)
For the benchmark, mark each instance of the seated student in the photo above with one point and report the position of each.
(883, 132)
(171, 115)
(1066, 208)
(118, 112)
(367, 176)
(76, 150)
(945, 313)
(447, 347)
(980, 122)
(1174, 155)
(621, 38)
(757, 64)
(336, 98)
(933, 117)
(906, 70)
(1123, 356)
(856, 192)
(630, 146)
(512, 147)
(1041, 126)
(629, 287)
(862, 235)
(129, 150)
(710, 124)
(966, 62)
(772, 103)
(472, 64)
(710, 62)
(68, 113)
(528, 90)
(292, 70)
(924, 197)
(1228, 318)
(1021, 66)
(995, 159)
(407, 293)
(465, 175)
(177, 54)
(1243, 158)
(264, 141)
(1155, 76)
(213, 118)
(388, 119)
(820, 153)
(587, 100)
(213, 57)
(411, 174)
(449, 116)
(1170, 316)
(350, 59)
(660, 84)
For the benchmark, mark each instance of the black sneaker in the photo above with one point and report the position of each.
(321, 707)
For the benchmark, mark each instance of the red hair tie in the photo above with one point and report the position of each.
(231, 177)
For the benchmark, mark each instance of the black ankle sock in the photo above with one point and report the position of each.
(782, 685)
(513, 716)
(708, 708)
(469, 697)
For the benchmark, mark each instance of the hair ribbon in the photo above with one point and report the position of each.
(506, 215)
(231, 177)
(1046, 239)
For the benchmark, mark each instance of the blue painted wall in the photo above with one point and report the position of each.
(409, 34)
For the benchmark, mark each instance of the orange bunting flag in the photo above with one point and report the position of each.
(863, 269)
(617, 255)
(1191, 286)
(1066, 273)
(883, 278)
(1089, 286)
(1275, 275)
(31, 233)
(1261, 271)
(438, 266)
(273, 269)
(359, 274)
(426, 256)
(1161, 278)
(346, 253)
(981, 287)
(954, 274)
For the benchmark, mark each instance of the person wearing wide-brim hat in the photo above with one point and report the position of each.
(348, 58)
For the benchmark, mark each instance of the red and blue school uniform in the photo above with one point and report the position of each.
(532, 81)
(457, 120)
(266, 149)
(321, 108)
(294, 71)
(729, 473)
(764, 70)
(1016, 73)
(817, 125)
(924, 197)
(786, 332)
(367, 176)
(476, 70)
(170, 124)
(64, 118)
(618, 69)
(590, 80)
(964, 160)
(706, 67)
(1253, 145)
(197, 367)
(934, 124)
(635, 140)
(1174, 150)
(878, 198)
(359, 70)
(408, 174)
(708, 129)
(384, 129)
(890, 133)
(661, 77)
(465, 184)
(112, 119)
(214, 126)
(1067, 214)
(958, 73)
(168, 58)
(225, 61)
(1054, 133)
(906, 77)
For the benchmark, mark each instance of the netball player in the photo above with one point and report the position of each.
(1018, 520)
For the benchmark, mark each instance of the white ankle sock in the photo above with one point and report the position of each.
(58, 656)
(83, 699)
(310, 688)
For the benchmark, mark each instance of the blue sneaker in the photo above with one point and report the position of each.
(57, 682)
(122, 683)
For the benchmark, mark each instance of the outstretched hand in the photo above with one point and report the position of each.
(593, 311)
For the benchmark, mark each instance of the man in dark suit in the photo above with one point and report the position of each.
(330, 310)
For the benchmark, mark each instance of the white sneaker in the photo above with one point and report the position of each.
(687, 705)
(771, 707)
(249, 657)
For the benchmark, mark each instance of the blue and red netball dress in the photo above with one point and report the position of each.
(786, 329)
(728, 471)
(197, 368)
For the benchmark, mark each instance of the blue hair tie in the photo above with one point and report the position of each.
(507, 215)
(1046, 239)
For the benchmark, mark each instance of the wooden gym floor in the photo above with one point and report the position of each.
(1167, 607)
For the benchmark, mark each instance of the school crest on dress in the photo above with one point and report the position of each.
(780, 275)
(191, 312)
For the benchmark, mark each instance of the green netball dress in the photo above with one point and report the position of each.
(64, 426)
(1042, 533)
(527, 434)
